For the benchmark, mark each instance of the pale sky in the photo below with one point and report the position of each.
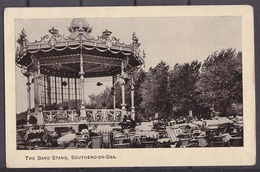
(172, 39)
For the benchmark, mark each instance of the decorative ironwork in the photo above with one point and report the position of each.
(93, 115)
(105, 34)
(57, 66)
(106, 37)
(115, 41)
(104, 43)
(53, 31)
(60, 116)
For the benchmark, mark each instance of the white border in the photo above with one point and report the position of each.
(135, 157)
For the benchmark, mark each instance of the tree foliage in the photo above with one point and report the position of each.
(221, 79)
(183, 79)
(192, 86)
(103, 98)
(155, 91)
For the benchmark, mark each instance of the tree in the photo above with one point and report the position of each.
(139, 77)
(103, 98)
(221, 79)
(184, 92)
(155, 91)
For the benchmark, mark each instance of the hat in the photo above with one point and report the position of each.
(82, 140)
(84, 131)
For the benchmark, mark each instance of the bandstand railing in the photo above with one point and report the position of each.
(60, 116)
(104, 115)
(73, 116)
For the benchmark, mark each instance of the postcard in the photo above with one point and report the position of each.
(129, 86)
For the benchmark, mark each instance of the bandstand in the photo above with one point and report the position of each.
(56, 67)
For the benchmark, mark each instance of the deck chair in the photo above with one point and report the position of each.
(217, 141)
(184, 142)
(96, 142)
(236, 141)
(131, 136)
(106, 140)
(148, 142)
(121, 143)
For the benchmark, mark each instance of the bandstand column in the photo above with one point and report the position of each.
(83, 115)
(49, 90)
(132, 99)
(123, 89)
(35, 83)
(114, 93)
(69, 94)
(27, 74)
(82, 107)
(114, 97)
(40, 114)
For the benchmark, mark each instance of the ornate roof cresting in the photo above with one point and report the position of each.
(54, 46)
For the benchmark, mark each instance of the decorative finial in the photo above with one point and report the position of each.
(53, 31)
(106, 34)
(89, 29)
(23, 33)
(135, 39)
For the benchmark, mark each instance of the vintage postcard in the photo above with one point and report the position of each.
(129, 86)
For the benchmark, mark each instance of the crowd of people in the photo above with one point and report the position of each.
(215, 132)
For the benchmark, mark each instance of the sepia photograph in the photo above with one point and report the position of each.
(153, 84)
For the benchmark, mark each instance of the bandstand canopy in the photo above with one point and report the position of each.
(59, 55)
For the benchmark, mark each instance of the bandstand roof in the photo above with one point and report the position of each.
(59, 55)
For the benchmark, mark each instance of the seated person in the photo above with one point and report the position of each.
(71, 130)
(92, 132)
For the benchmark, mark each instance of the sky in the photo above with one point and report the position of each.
(171, 39)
